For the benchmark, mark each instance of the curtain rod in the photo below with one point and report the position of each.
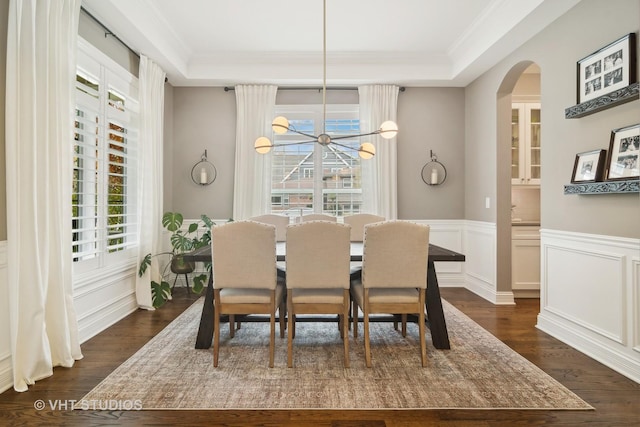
(108, 32)
(318, 88)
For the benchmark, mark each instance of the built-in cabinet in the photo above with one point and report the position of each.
(525, 259)
(525, 143)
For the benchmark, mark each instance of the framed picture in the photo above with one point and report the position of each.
(611, 68)
(624, 149)
(589, 166)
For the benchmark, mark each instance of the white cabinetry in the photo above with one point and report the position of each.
(525, 143)
(525, 261)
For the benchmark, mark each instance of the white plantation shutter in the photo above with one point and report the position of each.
(105, 154)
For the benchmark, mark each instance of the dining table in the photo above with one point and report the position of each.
(435, 313)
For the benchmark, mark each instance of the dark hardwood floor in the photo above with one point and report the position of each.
(616, 399)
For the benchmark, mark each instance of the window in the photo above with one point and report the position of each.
(104, 161)
(309, 177)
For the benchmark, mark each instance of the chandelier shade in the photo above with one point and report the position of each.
(281, 125)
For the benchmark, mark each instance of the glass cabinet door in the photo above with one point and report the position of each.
(515, 144)
(533, 113)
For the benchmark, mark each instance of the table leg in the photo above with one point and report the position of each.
(435, 314)
(205, 331)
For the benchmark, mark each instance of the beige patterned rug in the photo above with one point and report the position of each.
(479, 372)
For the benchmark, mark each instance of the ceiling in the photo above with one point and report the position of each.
(403, 42)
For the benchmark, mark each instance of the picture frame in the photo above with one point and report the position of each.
(608, 69)
(623, 161)
(588, 166)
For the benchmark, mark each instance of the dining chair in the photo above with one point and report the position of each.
(318, 217)
(318, 255)
(394, 276)
(281, 222)
(244, 277)
(357, 223)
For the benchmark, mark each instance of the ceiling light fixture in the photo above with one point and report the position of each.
(281, 125)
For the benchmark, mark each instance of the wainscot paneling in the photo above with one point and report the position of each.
(102, 298)
(448, 234)
(480, 265)
(6, 371)
(589, 296)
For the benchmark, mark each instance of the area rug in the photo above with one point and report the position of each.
(478, 372)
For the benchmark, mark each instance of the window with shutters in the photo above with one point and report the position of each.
(104, 161)
(310, 178)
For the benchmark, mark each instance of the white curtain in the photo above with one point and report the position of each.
(255, 106)
(150, 179)
(40, 102)
(379, 103)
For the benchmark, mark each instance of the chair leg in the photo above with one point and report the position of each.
(272, 336)
(345, 328)
(367, 344)
(404, 325)
(354, 312)
(281, 311)
(290, 333)
(421, 330)
(232, 330)
(216, 331)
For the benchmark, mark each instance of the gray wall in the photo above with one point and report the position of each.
(556, 50)
(488, 107)
(429, 119)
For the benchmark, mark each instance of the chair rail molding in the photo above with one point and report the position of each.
(590, 296)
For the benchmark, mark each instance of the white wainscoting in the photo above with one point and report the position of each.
(104, 297)
(448, 234)
(6, 370)
(590, 296)
(481, 262)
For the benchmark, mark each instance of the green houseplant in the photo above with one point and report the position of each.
(182, 241)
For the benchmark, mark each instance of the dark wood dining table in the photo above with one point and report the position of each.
(435, 314)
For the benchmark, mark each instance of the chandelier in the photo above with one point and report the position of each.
(281, 125)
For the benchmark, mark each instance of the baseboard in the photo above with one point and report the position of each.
(574, 337)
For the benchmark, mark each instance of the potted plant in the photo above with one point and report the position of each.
(182, 241)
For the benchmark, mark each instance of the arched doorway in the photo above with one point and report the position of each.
(506, 174)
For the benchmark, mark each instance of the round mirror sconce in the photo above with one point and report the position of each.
(434, 172)
(203, 172)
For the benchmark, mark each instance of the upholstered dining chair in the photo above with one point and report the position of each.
(318, 255)
(394, 276)
(318, 217)
(281, 222)
(357, 223)
(244, 277)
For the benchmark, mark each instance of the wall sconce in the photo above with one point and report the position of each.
(434, 172)
(203, 172)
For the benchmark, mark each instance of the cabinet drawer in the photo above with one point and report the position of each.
(525, 232)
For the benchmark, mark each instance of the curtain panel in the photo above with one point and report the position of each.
(41, 69)
(255, 105)
(379, 103)
(150, 173)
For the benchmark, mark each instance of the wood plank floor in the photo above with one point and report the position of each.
(616, 399)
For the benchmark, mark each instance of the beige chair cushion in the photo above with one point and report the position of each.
(317, 296)
(250, 296)
(384, 295)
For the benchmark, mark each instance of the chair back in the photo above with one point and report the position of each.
(244, 255)
(280, 221)
(357, 223)
(318, 254)
(395, 255)
(318, 217)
